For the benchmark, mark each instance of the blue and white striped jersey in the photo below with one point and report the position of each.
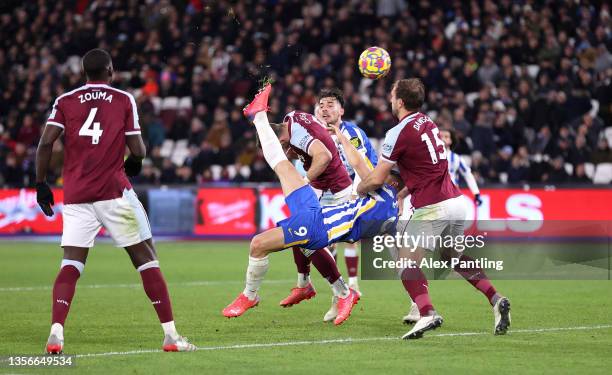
(457, 166)
(363, 217)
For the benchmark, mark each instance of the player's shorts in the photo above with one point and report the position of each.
(327, 198)
(429, 224)
(124, 218)
(304, 228)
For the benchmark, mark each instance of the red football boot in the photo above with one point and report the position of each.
(345, 306)
(259, 103)
(298, 295)
(239, 306)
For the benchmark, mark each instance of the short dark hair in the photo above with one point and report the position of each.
(412, 93)
(453, 137)
(96, 63)
(335, 93)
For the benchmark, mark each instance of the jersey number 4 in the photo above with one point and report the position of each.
(91, 128)
(432, 151)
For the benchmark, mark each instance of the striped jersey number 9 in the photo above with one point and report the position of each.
(91, 128)
(432, 152)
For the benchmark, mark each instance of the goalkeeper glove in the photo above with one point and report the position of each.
(44, 197)
(132, 166)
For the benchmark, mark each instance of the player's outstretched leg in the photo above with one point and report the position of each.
(63, 291)
(272, 149)
(261, 245)
(304, 289)
(145, 260)
(477, 277)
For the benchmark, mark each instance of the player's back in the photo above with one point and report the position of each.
(96, 119)
(304, 128)
(414, 144)
(363, 217)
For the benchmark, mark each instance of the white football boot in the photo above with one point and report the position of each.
(413, 316)
(501, 311)
(332, 313)
(180, 344)
(424, 324)
(55, 345)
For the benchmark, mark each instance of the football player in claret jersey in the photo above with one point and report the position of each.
(456, 165)
(415, 147)
(310, 225)
(98, 121)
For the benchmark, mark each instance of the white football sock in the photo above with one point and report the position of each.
(256, 271)
(303, 280)
(270, 145)
(340, 289)
(170, 329)
(57, 330)
(353, 280)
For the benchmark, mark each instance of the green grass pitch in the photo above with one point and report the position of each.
(110, 313)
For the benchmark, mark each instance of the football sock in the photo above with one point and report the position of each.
(417, 286)
(156, 289)
(57, 330)
(63, 290)
(256, 271)
(478, 279)
(170, 329)
(325, 264)
(352, 261)
(340, 288)
(270, 145)
(303, 267)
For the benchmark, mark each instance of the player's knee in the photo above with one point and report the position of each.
(257, 248)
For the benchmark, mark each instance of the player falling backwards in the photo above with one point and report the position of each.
(98, 121)
(306, 138)
(415, 147)
(310, 225)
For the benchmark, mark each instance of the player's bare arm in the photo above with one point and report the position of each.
(353, 156)
(44, 196)
(376, 178)
(321, 157)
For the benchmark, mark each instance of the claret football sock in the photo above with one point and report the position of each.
(325, 264)
(156, 289)
(352, 262)
(270, 145)
(417, 286)
(303, 267)
(64, 289)
(256, 271)
(478, 279)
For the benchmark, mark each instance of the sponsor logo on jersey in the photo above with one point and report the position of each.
(355, 141)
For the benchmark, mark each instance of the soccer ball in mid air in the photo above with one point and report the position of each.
(374, 63)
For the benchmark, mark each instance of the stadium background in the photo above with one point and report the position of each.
(526, 86)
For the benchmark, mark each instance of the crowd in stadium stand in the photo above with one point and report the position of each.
(524, 84)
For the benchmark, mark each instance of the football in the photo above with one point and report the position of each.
(374, 62)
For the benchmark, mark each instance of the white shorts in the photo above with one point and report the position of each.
(429, 223)
(124, 218)
(327, 198)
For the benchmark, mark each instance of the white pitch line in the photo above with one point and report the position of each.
(346, 340)
(139, 285)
